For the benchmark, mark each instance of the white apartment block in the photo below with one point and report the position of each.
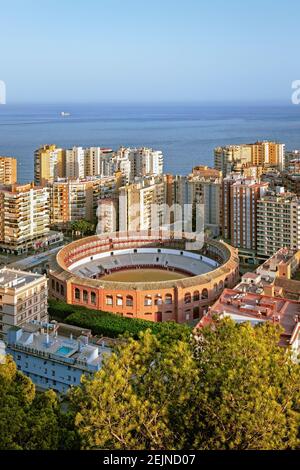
(141, 162)
(142, 205)
(24, 216)
(75, 162)
(107, 216)
(23, 298)
(51, 360)
(278, 222)
(98, 162)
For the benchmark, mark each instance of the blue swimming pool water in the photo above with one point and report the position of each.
(64, 350)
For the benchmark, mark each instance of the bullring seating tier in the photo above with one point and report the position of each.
(177, 260)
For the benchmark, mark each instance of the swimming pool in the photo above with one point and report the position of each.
(64, 350)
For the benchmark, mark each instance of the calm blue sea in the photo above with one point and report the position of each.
(187, 134)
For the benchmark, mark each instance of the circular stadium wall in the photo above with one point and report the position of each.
(175, 282)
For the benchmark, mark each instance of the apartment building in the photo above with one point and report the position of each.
(107, 215)
(205, 187)
(244, 195)
(75, 162)
(291, 181)
(138, 162)
(232, 158)
(226, 205)
(237, 157)
(49, 164)
(98, 162)
(8, 170)
(24, 217)
(268, 154)
(278, 222)
(77, 199)
(55, 361)
(291, 157)
(23, 298)
(142, 205)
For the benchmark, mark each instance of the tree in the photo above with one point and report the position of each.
(83, 227)
(132, 402)
(30, 420)
(248, 395)
(230, 387)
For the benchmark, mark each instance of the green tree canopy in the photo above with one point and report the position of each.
(83, 227)
(248, 395)
(133, 398)
(231, 387)
(30, 420)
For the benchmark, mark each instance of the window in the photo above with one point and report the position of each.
(62, 290)
(158, 299)
(187, 298)
(77, 294)
(168, 299)
(196, 296)
(85, 296)
(93, 298)
(109, 300)
(129, 301)
(119, 300)
(204, 294)
(147, 300)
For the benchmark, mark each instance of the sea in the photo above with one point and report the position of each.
(186, 133)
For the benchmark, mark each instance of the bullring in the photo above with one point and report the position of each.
(153, 276)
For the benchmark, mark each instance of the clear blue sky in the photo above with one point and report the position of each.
(149, 50)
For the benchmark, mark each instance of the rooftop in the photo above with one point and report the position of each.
(14, 279)
(282, 256)
(43, 340)
(256, 308)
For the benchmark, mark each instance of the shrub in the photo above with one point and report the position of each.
(112, 325)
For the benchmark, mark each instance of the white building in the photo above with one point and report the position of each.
(23, 298)
(24, 217)
(138, 162)
(98, 161)
(278, 222)
(107, 216)
(75, 163)
(51, 360)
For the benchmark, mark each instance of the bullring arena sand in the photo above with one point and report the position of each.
(144, 275)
